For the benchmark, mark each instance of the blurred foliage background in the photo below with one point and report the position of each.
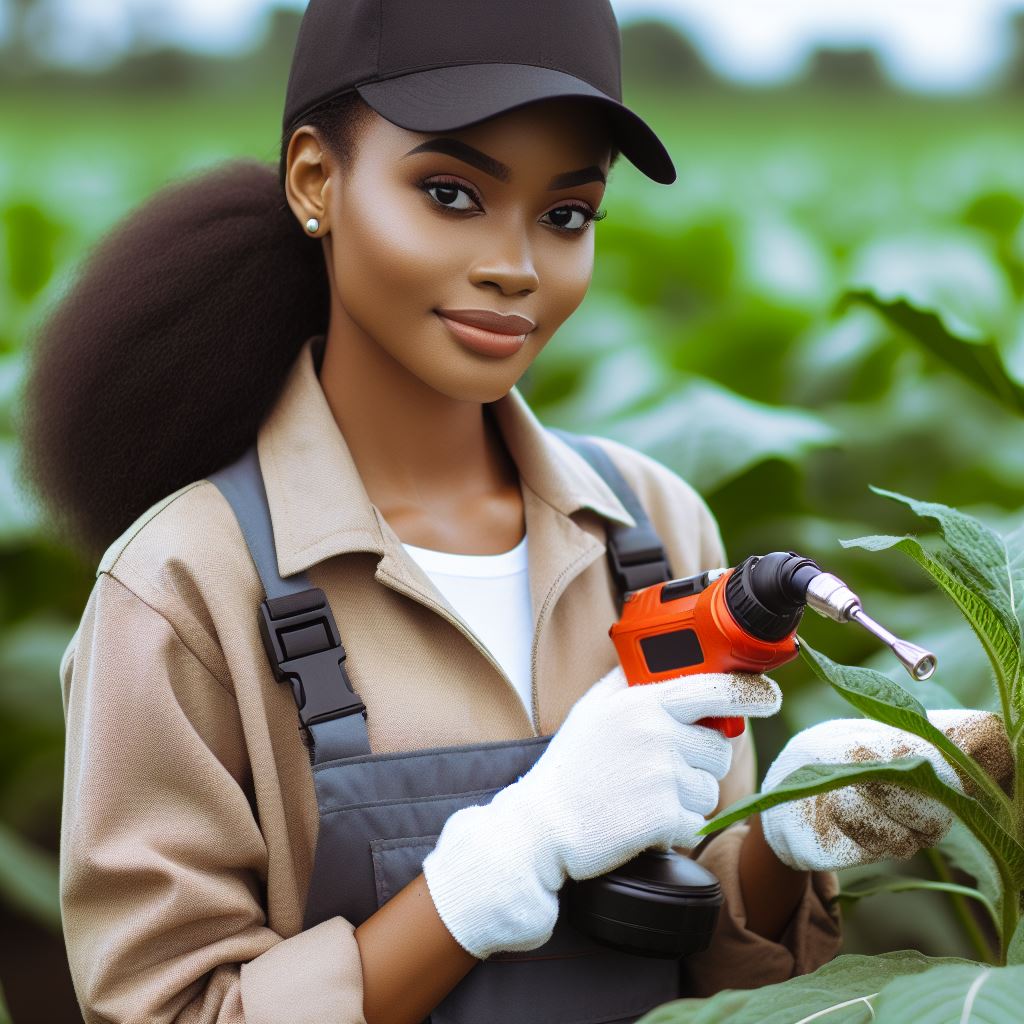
(830, 296)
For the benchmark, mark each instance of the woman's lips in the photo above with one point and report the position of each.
(488, 343)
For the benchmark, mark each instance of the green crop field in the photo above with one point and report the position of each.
(743, 327)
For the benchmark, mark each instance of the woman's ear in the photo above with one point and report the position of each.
(306, 177)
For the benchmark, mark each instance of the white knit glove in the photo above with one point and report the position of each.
(869, 822)
(626, 771)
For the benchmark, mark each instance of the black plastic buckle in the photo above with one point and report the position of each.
(302, 642)
(637, 558)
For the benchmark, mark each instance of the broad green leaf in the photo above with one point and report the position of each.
(914, 773)
(964, 851)
(884, 700)
(989, 615)
(943, 269)
(32, 238)
(5, 1014)
(978, 552)
(779, 258)
(1013, 543)
(998, 212)
(610, 385)
(28, 879)
(975, 357)
(953, 994)
(964, 676)
(865, 887)
(709, 435)
(30, 652)
(840, 992)
(871, 692)
(19, 514)
(1015, 950)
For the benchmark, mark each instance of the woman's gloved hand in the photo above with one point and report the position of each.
(869, 822)
(627, 770)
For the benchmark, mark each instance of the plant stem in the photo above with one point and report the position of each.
(1003, 686)
(1018, 782)
(1012, 895)
(897, 884)
(1011, 914)
(961, 909)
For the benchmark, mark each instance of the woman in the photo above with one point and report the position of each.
(364, 317)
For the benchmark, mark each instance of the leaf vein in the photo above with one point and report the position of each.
(972, 994)
(866, 1000)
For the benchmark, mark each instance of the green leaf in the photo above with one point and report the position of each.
(960, 847)
(978, 551)
(953, 994)
(840, 992)
(5, 1014)
(19, 515)
(710, 435)
(976, 358)
(998, 212)
(884, 700)
(1015, 950)
(871, 692)
(914, 773)
(865, 887)
(28, 879)
(991, 618)
(32, 237)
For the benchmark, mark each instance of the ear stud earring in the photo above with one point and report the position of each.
(312, 225)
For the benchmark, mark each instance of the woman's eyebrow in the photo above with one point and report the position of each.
(580, 177)
(467, 153)
(496, 169)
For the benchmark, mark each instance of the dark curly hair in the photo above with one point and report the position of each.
(188, 313)
(171, 345)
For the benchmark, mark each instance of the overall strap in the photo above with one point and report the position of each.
(297, 626)
(635, 553)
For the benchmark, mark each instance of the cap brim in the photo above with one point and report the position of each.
(448, 98)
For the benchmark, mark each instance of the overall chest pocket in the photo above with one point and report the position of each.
(381, 814)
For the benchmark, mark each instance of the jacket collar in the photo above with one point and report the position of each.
(319, 507)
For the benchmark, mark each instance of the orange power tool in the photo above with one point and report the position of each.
(738, 620)
(663, 903)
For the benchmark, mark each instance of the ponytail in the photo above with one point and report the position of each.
(159, 364)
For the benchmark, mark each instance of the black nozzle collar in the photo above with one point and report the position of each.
(766, 594)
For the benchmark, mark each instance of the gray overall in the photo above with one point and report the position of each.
(380, 814)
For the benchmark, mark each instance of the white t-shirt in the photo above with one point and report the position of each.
(491, 593)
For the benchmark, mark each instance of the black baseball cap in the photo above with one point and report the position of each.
(439, 65)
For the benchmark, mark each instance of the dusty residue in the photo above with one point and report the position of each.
(898, 829)
(985, 739)
(754, 689)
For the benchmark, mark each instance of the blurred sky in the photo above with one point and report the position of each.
(930, 45)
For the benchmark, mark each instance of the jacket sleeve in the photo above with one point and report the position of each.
(163, 865)
(740, 958)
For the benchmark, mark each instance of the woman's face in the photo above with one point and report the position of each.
(467, 220)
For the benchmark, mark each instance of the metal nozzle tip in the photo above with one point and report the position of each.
(916, 660)
(925, 668)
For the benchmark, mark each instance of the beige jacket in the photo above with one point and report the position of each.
(189, 813)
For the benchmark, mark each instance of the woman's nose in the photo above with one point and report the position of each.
(508, 264)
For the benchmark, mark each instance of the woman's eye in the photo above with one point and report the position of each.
(448, 193)
(571, 218)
